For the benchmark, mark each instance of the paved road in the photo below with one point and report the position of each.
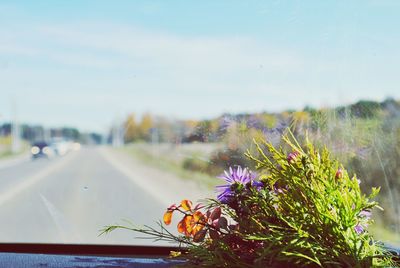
(69, 199)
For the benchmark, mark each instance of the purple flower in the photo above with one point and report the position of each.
(278, 189)
(365, 214)
(359, 228)
(258, 185)
(234, 176)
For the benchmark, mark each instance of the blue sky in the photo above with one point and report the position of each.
(88, 63)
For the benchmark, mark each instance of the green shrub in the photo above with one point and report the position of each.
(195, 164)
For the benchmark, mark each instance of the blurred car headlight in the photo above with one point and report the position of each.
(46, 150)
(35, 150)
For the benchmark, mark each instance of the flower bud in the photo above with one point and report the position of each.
(223, 223)
(215, 224)
(292, 157)
(216, 213)
(213, 234)
(199, 236)
(339, 174)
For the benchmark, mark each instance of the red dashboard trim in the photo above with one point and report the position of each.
(85, 249)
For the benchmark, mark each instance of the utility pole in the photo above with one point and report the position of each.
(117, 134)
(154, 135)
(154, 139)
(15, 130)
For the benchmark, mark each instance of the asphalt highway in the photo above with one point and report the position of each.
(69, 199)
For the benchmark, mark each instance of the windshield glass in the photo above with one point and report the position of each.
(112, 111)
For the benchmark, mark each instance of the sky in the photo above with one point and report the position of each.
(88, 64)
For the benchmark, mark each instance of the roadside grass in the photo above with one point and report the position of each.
(5, 148)
(5, 154)
(381, 233)
(168, 158)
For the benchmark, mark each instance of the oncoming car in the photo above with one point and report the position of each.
(41, 149)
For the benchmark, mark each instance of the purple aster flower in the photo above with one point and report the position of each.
(359, 228)
(235, 175)
(365, 214)
(258, 185)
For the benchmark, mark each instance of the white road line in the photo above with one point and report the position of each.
(29, 181)
(64, 227)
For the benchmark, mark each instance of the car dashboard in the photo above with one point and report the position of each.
(62, 255)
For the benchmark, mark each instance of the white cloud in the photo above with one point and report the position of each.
(202, 54)
(104, 69)
(18, 50)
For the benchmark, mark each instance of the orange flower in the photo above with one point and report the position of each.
(192, 224)
(198, 223)
(181, 226)
(167, 217)
(168, 214)
(186, 205)
(184, 225)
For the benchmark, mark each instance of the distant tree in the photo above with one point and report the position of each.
(145, 126)
(365, 109)
(131, 129)
(269, 120)
(190, 124)
(5, 129)
(203, 130)
(392, 107)
(207, 130)
(38, 133)
(97, 138)
(26, 132)
(309, 109)
(70, 133)
(300, 120)
(319, 120)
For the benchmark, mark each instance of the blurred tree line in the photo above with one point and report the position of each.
(34, 133)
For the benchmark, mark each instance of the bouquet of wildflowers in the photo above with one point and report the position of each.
(301, 209)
